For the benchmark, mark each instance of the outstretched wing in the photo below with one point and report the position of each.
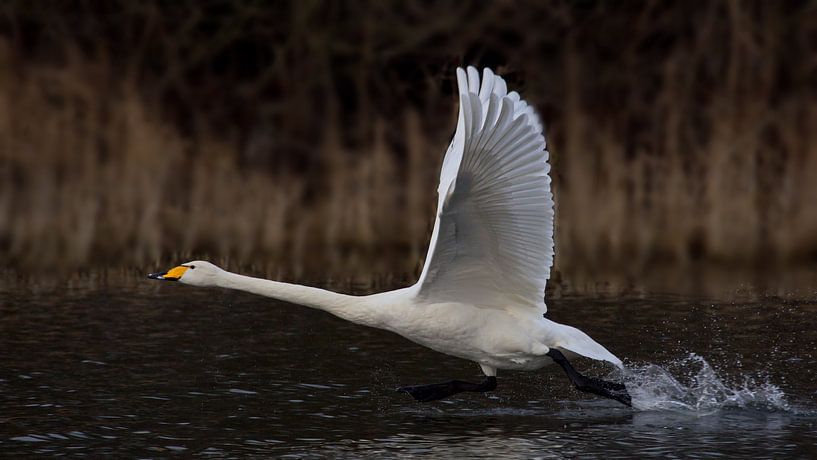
(492, 243)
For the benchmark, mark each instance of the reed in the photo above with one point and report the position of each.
(686, 144)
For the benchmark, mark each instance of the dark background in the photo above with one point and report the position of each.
(303, 139)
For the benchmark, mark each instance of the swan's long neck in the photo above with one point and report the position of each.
(352, 308)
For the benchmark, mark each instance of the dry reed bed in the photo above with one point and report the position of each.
(94, 173)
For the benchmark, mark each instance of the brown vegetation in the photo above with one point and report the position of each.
(305, 139)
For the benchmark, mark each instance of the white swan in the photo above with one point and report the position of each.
(481, 292)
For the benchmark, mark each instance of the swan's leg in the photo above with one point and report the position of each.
(437, 391)
(593, 385)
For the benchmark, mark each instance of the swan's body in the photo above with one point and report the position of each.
(495, 338)
(480, 296)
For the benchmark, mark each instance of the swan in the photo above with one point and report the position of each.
(481, 292)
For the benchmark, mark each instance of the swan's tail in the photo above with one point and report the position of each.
(571, 339)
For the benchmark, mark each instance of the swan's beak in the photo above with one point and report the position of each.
(171, 275)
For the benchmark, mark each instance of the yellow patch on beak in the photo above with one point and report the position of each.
(175, 273)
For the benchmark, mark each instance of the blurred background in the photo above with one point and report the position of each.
(303, 140)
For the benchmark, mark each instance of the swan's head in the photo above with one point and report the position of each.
(197, 273)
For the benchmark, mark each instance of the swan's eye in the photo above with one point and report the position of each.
(192, 267)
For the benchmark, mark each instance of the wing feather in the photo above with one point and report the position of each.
(492, 243)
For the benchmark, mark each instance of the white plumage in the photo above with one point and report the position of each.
(481, 292)
(492, 243)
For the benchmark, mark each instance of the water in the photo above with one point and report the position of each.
(148, 369)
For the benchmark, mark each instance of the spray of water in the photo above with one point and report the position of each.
(700, 390)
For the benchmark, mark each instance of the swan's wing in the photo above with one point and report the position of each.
(492, 243)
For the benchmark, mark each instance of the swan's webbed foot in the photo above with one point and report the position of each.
(611, 390)
(435, 391)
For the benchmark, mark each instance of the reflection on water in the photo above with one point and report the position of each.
(152, 369)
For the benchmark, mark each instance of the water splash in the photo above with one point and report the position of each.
(653, 387)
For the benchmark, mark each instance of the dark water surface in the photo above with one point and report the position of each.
(148, 369)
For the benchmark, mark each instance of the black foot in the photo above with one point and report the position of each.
(611, 390)
(435, 391)
(425, 393)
